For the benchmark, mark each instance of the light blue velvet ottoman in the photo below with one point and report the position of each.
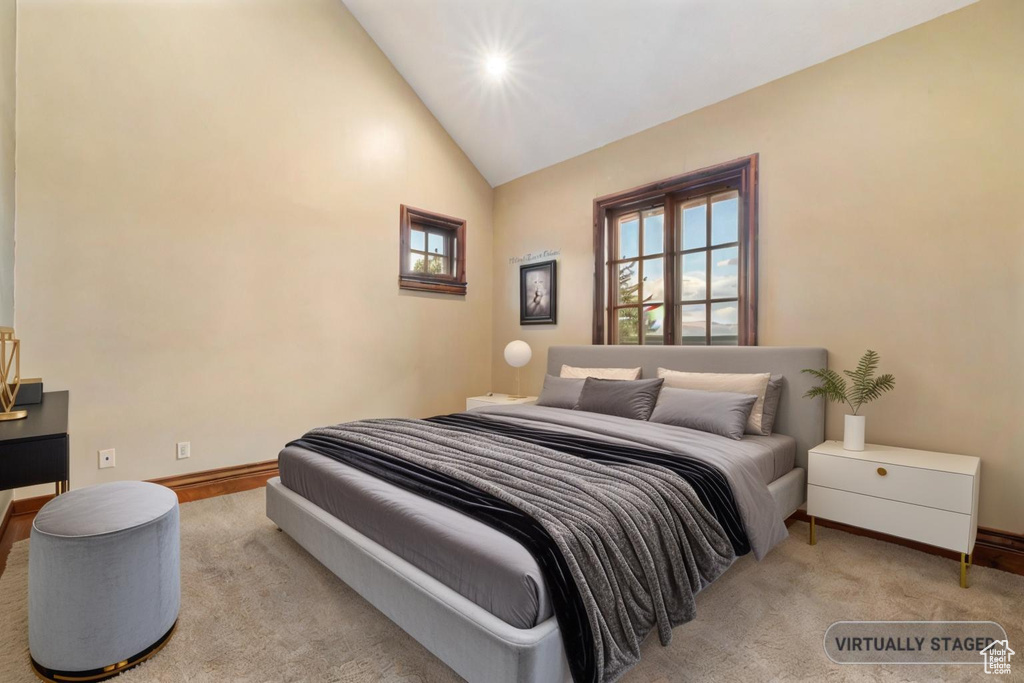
(104, 586)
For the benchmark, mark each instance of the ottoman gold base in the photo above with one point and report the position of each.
(106, 672)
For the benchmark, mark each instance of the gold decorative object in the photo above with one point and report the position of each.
(108, 671)
(10, 383)
(966, 560)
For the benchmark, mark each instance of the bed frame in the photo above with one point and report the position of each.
(472, 641)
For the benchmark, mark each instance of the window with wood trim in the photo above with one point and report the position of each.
(432, 252)
(637, 269)
(676, 260)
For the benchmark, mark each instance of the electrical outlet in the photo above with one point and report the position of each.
(106, 458)
(184, 450)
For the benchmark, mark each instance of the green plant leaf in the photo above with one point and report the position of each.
(832, 387)
(879, 386)
(863, 386)
(861, 379)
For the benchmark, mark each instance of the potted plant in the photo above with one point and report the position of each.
(862, 388)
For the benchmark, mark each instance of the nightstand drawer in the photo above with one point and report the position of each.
(935, 527)
(932, 488)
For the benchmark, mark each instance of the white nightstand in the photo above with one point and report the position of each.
(918, 495)
(497, 400)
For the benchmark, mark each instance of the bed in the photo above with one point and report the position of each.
(471, 594)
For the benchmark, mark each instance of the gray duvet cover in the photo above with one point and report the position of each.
(630, 543)
(479, 562)
(765, 528)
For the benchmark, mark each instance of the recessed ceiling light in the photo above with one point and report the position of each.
(496, 66)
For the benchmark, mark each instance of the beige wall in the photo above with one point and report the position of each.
(208, 203)
(8, 22)
(207, 193)
(891, 217)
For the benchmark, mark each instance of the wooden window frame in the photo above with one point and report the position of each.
(615, 217)
(454, 231)
(740, 174)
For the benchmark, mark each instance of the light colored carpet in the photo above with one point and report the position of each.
(256, 607)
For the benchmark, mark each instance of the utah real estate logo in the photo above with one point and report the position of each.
(997, 657)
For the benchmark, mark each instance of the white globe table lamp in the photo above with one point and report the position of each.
(518, 354)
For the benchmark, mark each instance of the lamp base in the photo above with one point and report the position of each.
(13, 415)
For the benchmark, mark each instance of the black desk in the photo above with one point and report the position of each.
(35, 450)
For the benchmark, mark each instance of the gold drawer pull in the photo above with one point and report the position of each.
(882, 472)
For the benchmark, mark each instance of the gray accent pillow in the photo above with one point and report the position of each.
(634, 399)
(772, 396)
(717, 412)
(560, 392)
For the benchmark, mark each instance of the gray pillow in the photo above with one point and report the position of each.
(560, 392)
(634, 399)
(717, 412)
(772, 396)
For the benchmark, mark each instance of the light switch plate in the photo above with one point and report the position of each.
(106, 458)
(184, 449)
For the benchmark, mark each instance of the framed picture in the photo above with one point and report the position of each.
(538, 293)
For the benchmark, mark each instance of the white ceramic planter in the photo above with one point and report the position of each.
(853, 434)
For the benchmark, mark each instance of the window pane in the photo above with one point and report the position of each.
(693, 323)
(725, 271)
(629, 236)
(725, 218)
(654, 231)
(654, 324)
(418, 238)
(724, 324)
(628, 331)
(694, 279)
(654, 279)
(438, 265)
(436, 242)
(695, 224)
(417, 263)
(629, 283)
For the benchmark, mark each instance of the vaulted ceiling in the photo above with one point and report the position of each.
(583, 73)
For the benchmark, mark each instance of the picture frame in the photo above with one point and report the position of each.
(538, 293)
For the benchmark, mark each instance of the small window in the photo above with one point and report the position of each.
(432, 252)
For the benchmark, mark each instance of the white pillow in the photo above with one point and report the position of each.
(753, 384)
(599, 373)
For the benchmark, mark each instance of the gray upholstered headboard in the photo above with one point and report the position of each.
(801, 418)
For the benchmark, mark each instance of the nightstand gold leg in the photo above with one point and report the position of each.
(963, 570)
(812, 540)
